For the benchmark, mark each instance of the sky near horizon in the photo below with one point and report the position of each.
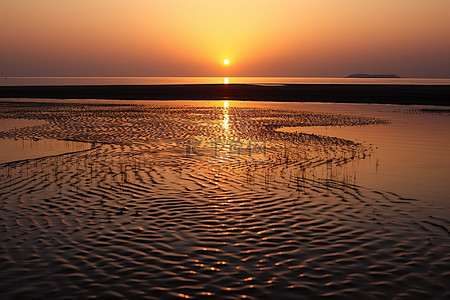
(329, 38)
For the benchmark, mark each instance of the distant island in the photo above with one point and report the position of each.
(372, 76)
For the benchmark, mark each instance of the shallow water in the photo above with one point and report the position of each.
(412, 152)
(22, 149)
(14, 150)
(200, 201)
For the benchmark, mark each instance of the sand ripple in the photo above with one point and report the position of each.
(139, 217)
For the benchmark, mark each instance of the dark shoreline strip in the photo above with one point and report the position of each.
(345, 93)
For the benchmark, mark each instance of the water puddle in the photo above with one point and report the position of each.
(21, 149)
(410, 158)
(14, 150)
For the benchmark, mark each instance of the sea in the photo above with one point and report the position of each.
(33, 81)
(117, 199)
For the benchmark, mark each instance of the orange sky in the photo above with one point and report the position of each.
(193, 37)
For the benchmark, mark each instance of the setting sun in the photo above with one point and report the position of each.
(226, 62)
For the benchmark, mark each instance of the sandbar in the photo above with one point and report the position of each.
(340, 93)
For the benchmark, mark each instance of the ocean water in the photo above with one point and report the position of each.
(17, 81)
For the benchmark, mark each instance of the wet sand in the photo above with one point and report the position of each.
(357, 93)
(201, 202)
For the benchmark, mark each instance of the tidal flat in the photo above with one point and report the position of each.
(211, 201)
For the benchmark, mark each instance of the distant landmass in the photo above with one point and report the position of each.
(372, 76)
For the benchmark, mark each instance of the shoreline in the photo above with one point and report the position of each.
(339, 93)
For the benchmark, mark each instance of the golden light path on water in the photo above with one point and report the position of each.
(226, 146)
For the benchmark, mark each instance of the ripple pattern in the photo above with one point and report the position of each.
(138, 217)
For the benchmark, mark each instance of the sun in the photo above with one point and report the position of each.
(226, 62)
